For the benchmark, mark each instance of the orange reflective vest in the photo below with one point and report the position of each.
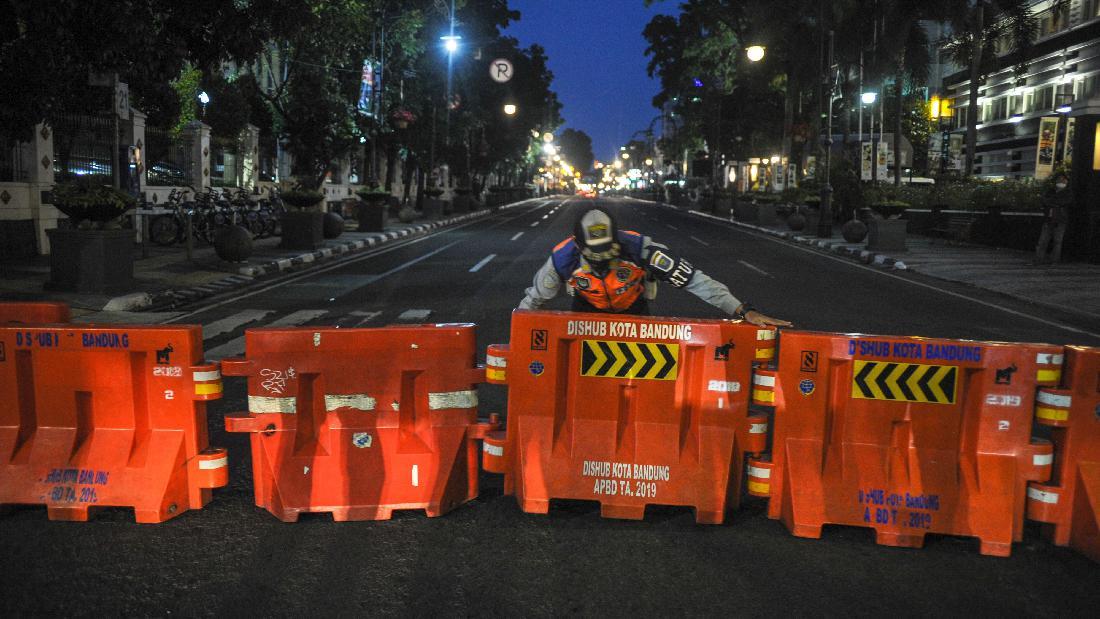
(618, 289)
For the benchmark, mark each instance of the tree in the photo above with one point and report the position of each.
(50, 48)
(576, 148)
(977, 29)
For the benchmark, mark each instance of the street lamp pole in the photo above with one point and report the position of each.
(825, 221)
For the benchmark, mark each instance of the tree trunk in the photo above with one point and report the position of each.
(975, 76)
(391, 165)
(897, 128)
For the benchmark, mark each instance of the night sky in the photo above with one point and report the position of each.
(597, 54)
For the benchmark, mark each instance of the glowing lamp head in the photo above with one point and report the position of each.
(755, 53)
(868, 98)
(510, 109)
(450, 42)
(649, 162)
(204, 98)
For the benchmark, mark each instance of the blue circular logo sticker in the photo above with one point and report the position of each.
(537, 368)
(806, 387)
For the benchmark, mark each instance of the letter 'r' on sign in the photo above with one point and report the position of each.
(500, 70)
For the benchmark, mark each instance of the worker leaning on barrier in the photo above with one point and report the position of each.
(612, 270)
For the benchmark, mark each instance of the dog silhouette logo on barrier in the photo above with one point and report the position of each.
(1004, 375)
(164, 355)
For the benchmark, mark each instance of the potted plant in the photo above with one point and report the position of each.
(463, 202)
(886, 229)
(303, 227)
(402, 118)
(95, 255)
(373, 209)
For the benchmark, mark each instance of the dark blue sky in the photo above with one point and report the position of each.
(597, 54)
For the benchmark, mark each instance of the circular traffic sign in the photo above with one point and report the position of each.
(500, 70)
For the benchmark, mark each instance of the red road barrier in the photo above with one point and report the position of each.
(628, 411)
(907, 436)
(1071, 502)
(360, 422)
(37, 312)
(98, 416)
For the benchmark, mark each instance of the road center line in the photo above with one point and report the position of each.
(758, 270)
(518, 234)
(673, 227)
(534, 224)
(700, 241)
(484, 261)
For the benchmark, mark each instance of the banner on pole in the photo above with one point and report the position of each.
(1067, 146)
(370, 89)
(865, 161)
(1048, 141)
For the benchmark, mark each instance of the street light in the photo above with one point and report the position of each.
(755, 53)
(548, 149)
(548, 137)
(450, 42)
(626, 155)
(204, 99)
(510, 109)
(868, 98)
(649, 162)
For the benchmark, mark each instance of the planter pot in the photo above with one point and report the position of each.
(372, 216)
(886, 235)
(91, 261)
(233, 244)
(854, 231)
(303, 230)
(796, 222)
(462, 203)
(333, 226)
(433, 209)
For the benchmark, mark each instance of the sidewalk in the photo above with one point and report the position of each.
(1072, 287)
(166, 279)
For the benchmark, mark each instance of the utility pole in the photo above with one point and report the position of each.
(825, 221)
(975, 76)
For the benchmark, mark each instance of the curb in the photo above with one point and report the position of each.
(837, 247)
(175, 297)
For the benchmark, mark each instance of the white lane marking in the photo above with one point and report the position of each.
(299, 317)
(534, 224)
(415, 314)
(672, 227)
(312, 273)
(229, 323)
(546, 216)
(365, 317)
(751, 267)
(484, 261)
(518, 234)
(700, 241)
(1050, 323)
(235, 346)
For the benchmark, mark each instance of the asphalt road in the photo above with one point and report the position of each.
(488, 558)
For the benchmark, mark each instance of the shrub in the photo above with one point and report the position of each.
(91, 201)
(301, 198)
(372, 195)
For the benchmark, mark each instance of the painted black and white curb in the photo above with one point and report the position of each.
(837, 247)
(172, 298)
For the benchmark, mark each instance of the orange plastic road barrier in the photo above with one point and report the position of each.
(360, 422)
(907, 436)
(628, 411)
(35, 312)
(1071, 502)
(98, 416)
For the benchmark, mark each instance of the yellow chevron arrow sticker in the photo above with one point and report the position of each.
(647, 361)
(904, 382)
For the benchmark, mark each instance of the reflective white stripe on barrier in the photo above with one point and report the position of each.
(765, 334)
(497, 362)
(452, 399)
(259, 404)
(358, 401)
(759, 472)
(763, 380)
(1045, 358)
(1042, 460)
(1053, 399)
(1044, 497)
(758, 428)
(493, 450)
(202, 377)
(213, 464)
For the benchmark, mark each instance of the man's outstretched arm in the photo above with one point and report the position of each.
(546, 285)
